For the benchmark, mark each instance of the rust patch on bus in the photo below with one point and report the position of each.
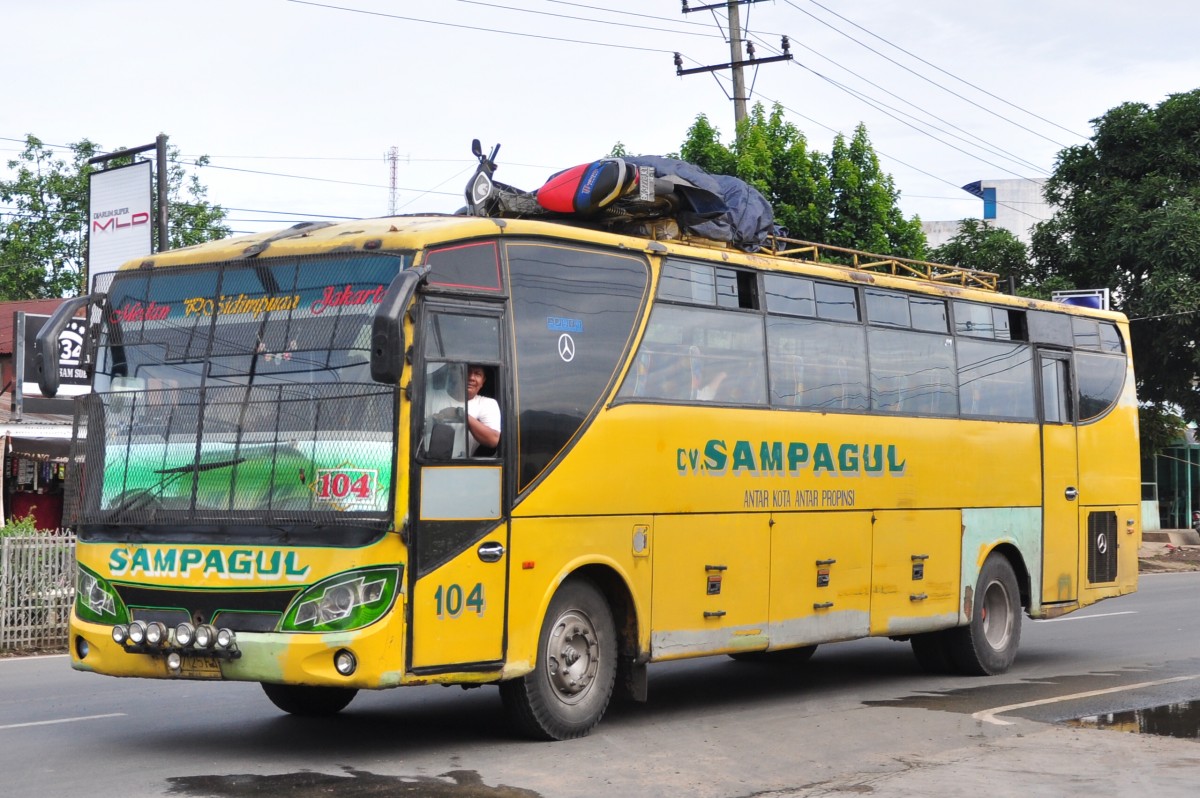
(968, 601)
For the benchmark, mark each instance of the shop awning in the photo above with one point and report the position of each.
(45, 443)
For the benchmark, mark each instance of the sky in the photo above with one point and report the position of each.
(298, 104)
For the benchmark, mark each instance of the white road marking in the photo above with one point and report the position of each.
(1085, 617)
(989, 715)
(62, 720)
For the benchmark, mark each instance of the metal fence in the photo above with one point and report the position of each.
(37, 588)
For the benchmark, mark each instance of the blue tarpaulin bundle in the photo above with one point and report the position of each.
(720, 207)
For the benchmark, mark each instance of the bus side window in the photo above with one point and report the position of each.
(668, 376)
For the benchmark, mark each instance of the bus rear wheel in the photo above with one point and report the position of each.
(988, 644)
(568, 690)
(298, 699)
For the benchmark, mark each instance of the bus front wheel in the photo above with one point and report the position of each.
(569, 688)
(988, 644)
(298, 699)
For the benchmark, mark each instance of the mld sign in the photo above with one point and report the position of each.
(119, 212)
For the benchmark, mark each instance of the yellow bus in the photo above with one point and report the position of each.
(702, 451)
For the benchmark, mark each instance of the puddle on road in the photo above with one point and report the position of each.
(356, 784)
(1169, 720)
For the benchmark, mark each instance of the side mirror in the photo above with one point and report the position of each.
(45, 346)
(387, 328)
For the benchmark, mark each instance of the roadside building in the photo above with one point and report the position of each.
(1015, 205)
(34, 442)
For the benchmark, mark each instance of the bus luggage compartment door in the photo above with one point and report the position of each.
(710, 584)
(916, 572)
(820, 577)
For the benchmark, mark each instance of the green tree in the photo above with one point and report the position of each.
(843, 198)
(703, 147)
(1128, 219)
(865, 214)
(43, 237)
(978, 245)
(42, 240)
(772, 155)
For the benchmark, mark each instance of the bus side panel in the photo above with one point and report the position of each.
(711, 582)
(546, 551)
(915, 573)
(820, 578)
(1108, 557)
(1109, 497)
(985, 528)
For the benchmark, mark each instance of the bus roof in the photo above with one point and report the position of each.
(417, 232)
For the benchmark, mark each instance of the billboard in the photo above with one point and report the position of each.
(120, 214)
(1096, 298)
(72, 366)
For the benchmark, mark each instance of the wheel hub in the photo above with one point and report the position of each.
(997, 621)
(572, 657)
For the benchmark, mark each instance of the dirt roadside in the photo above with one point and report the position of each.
(1158, 558)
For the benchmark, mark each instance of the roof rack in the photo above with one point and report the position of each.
(866, 261)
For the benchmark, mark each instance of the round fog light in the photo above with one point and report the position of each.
(174, 661)
(156, 633)
(345, 662)
(226, 638)
(185, 634)
(205, 635)
(137, 632)
(120, 634)
(81, 648)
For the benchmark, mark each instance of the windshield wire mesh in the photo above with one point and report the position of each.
(214, 454)
(238, 393)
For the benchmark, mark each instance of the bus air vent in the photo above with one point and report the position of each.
(1102, 546)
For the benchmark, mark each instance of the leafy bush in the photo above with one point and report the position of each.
(26, 525)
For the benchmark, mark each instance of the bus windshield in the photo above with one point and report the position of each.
(238, 396)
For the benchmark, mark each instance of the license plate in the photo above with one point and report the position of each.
(200, 668)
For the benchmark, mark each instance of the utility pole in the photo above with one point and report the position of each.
(736, 62)
(735, 54)
(393, 157)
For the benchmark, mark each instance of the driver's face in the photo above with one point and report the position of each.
(475, 380)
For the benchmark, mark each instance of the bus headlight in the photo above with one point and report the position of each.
(96, 601)
(349, 600)
(137, 632)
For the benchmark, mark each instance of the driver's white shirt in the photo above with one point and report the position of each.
(484, 408)
(487, 410)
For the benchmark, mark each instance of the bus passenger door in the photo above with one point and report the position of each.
(1060, 480)
(458, 529)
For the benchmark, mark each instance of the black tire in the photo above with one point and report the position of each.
(312, 702)
(567, 692)
(988, 644)
(783, 656)
(932, 652)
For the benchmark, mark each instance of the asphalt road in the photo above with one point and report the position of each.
(859, 718)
